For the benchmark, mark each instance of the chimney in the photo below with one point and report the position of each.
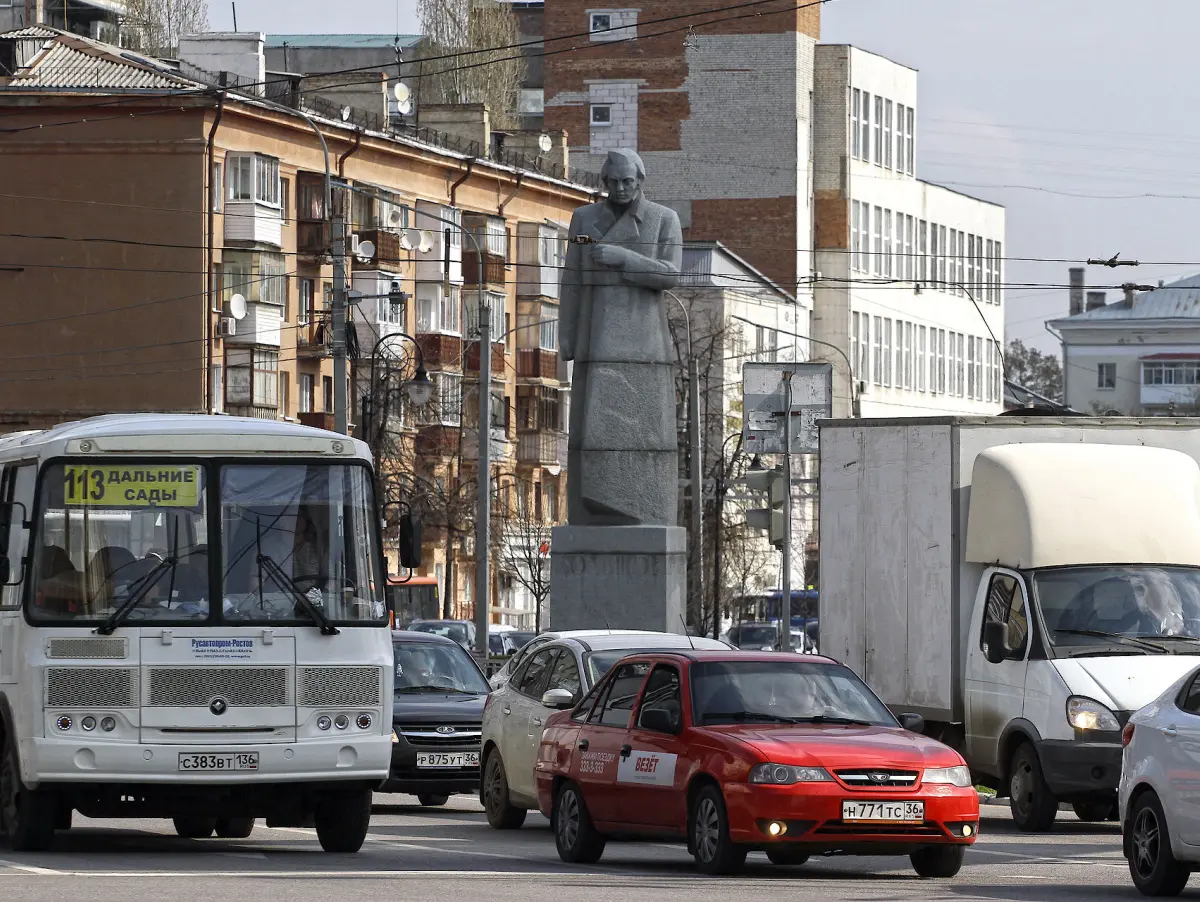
(240, 53)
(1096, 299)
(468, 122)
(1076, 282)
(1129, 289)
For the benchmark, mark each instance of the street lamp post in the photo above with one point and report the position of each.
(719, 539)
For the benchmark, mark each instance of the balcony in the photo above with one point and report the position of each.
(537, 363)
(470, 445)
(317, 420)
(1164, 396)
(493, 268)
(387, 249)
(311, 341)
(472, 361)
(260, 326)
(253, 411)
(547, 449)
(444, 351)
(438, 441)
(313, 237)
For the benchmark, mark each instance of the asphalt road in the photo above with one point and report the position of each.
(451, 855)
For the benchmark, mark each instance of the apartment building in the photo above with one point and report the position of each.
(1136, 357)
(170, 252)
(721, 115)
(910, 274)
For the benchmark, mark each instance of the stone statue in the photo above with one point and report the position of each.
(624, 252)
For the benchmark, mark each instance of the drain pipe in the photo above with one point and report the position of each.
(516, 187)
(466, 175)
(209, 350)
(348, 154)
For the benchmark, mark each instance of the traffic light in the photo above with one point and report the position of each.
(770, 518)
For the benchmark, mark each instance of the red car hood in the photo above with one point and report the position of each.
(841, 746)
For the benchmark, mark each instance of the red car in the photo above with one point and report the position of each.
(737, 751)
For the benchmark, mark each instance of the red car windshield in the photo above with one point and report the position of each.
(783, 691)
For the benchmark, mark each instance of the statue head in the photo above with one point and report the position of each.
(622, 174)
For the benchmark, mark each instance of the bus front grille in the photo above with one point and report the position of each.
(67, 647)
(240, 687)
(91, 687)
(339, 687)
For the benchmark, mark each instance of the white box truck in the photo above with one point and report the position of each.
(1023, 583)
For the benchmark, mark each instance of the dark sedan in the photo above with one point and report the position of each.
(437, 718)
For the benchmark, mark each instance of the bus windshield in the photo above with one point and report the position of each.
(137, 541)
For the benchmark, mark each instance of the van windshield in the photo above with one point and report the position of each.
(136, 541)
(1096, 606)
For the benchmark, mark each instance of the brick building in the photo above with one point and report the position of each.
(721, 115)
(140, 200)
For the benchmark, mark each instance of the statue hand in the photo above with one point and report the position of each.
(610, 255)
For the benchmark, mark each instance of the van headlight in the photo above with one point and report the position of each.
(1089, 714)
(955, 776)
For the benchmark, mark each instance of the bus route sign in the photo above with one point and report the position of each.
(132, 486)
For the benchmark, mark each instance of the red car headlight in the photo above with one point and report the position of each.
(784, 774)
(955, 776)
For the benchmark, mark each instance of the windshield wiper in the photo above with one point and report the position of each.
(836, 719)
(750, 716)
(149, 581)
(400, 689)
(268, 563)
(1117, 637)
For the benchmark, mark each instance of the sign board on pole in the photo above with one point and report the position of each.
(763, 405)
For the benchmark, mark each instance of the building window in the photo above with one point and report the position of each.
(306, 392)
(887, 243)
(996, 278)
(941, 364)
(986, 278)
(900, 108)
(496, 315)
(908, 355)
(865, 143)
(327, 393)
(304, 315)
(1106, 375)
(855, 238)
(447, 395)
(978, 369)
(933, 253)
(548, 334)
(899, 246)
(601, 114)
(878, 130)
(960, 264)
(854, 339)
(855, 140)
(439, 312)
(971, 261)
(921, 367)
(284, 193)
(864, 262)
(910, 117)
(600, 22)
(877, 259)
(877, 365)
(887, 352)
(887, 134)
(217, 188)
(252, 377)
(259, 277)
(909, 263)
(254, 177)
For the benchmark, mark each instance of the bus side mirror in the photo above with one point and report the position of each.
(410, 542)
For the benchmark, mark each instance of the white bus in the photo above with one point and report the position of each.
(193, 626)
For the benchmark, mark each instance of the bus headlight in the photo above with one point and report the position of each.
(323, 722)
(63, 722)
(364, 721)
(108, 724)
(341, 721)
(88, 723)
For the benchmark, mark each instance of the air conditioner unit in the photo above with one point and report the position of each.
(227, 327)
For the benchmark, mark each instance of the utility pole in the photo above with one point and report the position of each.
(785, 606)
(483, 510)
(696, 475)
(340, 401)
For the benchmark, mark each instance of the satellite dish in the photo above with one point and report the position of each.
(405, 242)
(346, 113)
(394, 218)
(366, 250)
(426, 242)
(401, 92)
(545, 143)
(237, 307)
(404, 107)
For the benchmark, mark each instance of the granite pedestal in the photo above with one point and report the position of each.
(618, 577)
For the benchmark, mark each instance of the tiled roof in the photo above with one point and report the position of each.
(33, 31)
(71, 62)
(1177, 300)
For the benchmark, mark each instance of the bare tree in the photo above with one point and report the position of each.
(520, 541)
(450, 71)
(154, 27)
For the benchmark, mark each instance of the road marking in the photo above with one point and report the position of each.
(1045, 858)
(29, 868)
(403, 843)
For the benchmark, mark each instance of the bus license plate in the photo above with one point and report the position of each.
(212, 761)
(883, 812)
(448, 759)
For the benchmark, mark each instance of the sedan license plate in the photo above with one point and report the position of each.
(216, 761)
(448, 759)
(883, 812)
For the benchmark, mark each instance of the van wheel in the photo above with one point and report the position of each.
(1152, 864)
(708, 824)
(575, 835)
(1095, 808)
(234, 827)
(195, 827)
(938, 862)
(342, 820)
(1033, 806)
(29, 816)
(501, 813)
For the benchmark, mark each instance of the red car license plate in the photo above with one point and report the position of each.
(883, 812)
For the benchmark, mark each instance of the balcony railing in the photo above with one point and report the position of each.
(493, 268)
(536, 363)
(387, 249)
(311, 340)
(472, 361)
(545, 448)
(443, 351)
(313, 237)
(317, 420)
(438, 441)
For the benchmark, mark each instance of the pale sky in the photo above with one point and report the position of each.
(1070, 99)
